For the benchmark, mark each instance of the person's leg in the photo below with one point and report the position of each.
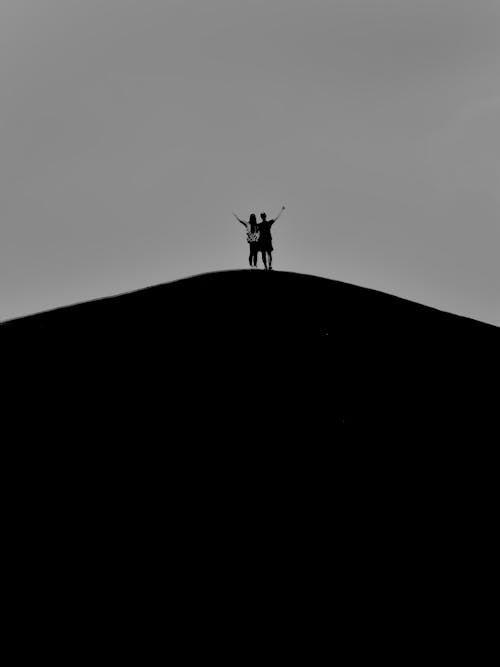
(255, 254)
(264, 258)
(270, 260)
(250, 257)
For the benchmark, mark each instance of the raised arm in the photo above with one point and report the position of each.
(239, 220)
(281, 211)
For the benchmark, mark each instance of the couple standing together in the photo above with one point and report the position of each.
(259, 238)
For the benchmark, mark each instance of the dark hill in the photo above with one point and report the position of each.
(245, 440)
(227, 303)
(304, 354)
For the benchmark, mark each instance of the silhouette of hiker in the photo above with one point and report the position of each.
(266, 240)
(252, 238)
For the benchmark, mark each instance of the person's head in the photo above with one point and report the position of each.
(263, 216)
(252, 221)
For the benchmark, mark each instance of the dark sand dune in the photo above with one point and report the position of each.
(279, 354)
(240, 438)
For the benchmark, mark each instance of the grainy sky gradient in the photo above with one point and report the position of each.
(131, 129)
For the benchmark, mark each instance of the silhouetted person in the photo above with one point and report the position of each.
(266, 240)
(252, 238)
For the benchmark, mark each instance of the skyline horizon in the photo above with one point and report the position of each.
(238, 270)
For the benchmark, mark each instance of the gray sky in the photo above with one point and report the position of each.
(131, 129)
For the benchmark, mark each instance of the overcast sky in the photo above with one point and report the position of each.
(131, 129)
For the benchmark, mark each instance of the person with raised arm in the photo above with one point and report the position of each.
(266, 240)
(252, 238)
